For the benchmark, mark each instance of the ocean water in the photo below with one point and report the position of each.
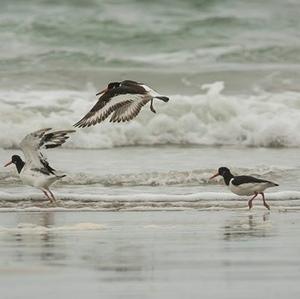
(230, 68)
(68, 42)
(155, 178)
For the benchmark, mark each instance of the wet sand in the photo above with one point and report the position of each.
(182, 254)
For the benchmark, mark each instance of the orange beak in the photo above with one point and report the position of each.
(214, 176)
(102, 91)
(8, 163)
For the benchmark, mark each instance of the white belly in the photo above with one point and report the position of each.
(248, 188)
(37, 179)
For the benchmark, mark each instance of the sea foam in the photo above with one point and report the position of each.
(195, 177)
(279, 201)
(208, 118)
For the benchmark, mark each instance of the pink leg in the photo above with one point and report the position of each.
(250, 200)
(48, 197)
(264, 201)
(52, 195)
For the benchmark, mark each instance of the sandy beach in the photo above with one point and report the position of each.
(125, 228)
(187, 254)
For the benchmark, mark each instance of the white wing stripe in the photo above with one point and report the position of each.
(116, 103)
(131, 109)
(32, 142)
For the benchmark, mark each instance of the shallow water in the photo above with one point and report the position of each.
(165, 177)
(228, 254)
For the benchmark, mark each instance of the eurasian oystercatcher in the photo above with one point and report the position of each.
(124, 99)
(245, 185)
(36, 171)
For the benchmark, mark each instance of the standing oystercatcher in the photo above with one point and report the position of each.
(36, 171)
(245, 185)
(124, 99)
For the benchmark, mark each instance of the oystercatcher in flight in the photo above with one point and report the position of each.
(124, 99)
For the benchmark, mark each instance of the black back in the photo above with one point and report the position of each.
(113, 92)
(240, 179)
(244, 179)
(129, 82)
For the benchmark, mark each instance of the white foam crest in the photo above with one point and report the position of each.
(146, 197)
(209, 118)
(168, 178)
(171, 178)
(195, 177)
(280, 201)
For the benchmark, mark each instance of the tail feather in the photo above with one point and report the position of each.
(163, 98)
(273, 184)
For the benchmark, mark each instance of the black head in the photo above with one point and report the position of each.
(17, 160)
(225, 173)
(112, 85)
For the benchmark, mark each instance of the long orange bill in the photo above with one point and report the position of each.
(214, 176)
(8, 163)
(102, 91)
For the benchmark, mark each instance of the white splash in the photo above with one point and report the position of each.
(211, 118)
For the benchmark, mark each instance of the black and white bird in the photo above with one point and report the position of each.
(36, 171)
(124, 99)
(245, 185)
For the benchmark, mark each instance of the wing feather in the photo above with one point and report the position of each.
(130, 110)
(33, 142)
(110, 101)
(246, 179)
(97, 116)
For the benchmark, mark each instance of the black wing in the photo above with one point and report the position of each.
(108, 102)
(245, 179)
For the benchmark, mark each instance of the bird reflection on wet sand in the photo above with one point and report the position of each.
(30, 244)
(248, 226)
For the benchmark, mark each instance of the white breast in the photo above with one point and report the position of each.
(248, 188)
(36, 178)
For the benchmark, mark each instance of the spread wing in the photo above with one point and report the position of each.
(109, 102)
(33, 142)
(130, 110)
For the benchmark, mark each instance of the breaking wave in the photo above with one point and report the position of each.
(195, 177)
(208, 118)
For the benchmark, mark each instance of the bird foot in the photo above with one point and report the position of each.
(267, 206)
(151, 107)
